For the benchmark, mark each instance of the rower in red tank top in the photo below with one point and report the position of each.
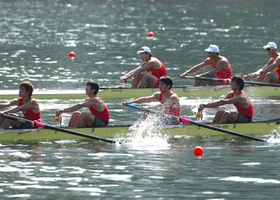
(103, 115)
(225, 72)
(26, 104)
(158, 73)
(270, 72)
(277, 68)
(29, 114)
(244, 111)
(148, 73)
(99, 115)
(221, 68)
(239, 99)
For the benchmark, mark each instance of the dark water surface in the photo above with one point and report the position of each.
(36, 37)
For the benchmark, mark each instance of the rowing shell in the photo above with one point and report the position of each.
(123, 131)
(268, 92)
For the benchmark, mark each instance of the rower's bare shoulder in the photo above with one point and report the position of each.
(229, 95)
(93, 99)
(206, 61)
(277, 59)
(224, 63)
(35, 102)
(174, 97)
(154, 61)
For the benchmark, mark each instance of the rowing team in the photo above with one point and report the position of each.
(151, 68)
(169, 109)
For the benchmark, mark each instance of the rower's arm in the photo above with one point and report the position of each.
(195, 68)
(130, 74)
(222, 65)
(213, 104)
(28, 106)
(226, 100)
(143, 67)
(146, 99)
(72, 108)
(258, 72)
(269, 68)
(11, 103)
(75, 107)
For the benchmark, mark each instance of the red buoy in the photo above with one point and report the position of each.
(150, 34)
(198, 151)
(72, 55)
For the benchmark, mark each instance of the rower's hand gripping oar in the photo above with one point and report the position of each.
(189, 121)
(198, 113)
(42, 125)
(57, 119)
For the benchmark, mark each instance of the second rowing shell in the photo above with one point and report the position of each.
(267, 92)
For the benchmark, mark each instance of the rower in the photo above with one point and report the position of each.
(239, 99)
(26, 104)
(169, 102)
(148, 73)
(221, 68)
(97, 117)
(270, 72)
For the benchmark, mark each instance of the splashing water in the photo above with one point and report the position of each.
(145, 134)
(274, 137)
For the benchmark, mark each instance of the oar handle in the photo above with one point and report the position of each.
(39, 124)
(184, 120)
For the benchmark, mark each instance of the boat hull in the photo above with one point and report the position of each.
(114, 132)
(268, 92)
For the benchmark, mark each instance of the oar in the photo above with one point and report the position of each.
(42, 125)
(277, 120)
(262, 83)
(115, 87)
(188, 121)
(228, 81)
